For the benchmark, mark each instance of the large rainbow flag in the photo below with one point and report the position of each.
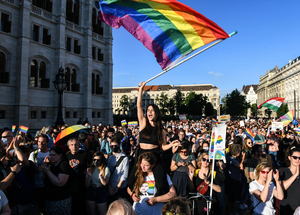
(287, 118)
(168, 28)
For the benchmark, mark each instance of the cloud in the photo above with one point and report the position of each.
(215, 74)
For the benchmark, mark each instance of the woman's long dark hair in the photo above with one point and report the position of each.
(157, 123)
(289, 152)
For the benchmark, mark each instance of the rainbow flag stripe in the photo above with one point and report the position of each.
(287, 118)
(214, 120)
(123, 122)
(249, 133)
(219, 139)
(23, 129)
(168, 28)
(13, 128)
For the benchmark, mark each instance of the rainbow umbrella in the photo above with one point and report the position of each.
(69, 132)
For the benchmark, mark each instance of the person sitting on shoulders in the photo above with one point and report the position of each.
(145, 196)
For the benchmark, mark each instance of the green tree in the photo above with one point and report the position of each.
(162, 102)
(171, 106)
(124, 103)
(209, 109)
(283, 109)
(179, 102)
(236, 103)
(195, 104)
(223, 105)
(254, 109)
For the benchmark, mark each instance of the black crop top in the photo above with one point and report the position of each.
(153, 138)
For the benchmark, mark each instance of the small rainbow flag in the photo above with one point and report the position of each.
(214, 120)
(287, 118)
(123, 122)
(23, 129)
(133, 123)
(297, 130)
(13, 128)
(249, 133)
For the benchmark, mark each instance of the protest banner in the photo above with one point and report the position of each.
(277, 125)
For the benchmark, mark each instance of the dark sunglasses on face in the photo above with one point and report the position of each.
(295, 157)
(205, 160)
(113, 146)
(97, 159)
(184, 152)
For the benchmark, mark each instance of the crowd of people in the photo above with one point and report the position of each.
(151, 168)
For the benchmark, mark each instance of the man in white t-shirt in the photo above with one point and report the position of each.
(38, 157)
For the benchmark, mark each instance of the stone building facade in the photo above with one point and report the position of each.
(37, 38)
(283, 82)
(250, 91)
(152, 91)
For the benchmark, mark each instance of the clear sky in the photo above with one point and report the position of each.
(268, 35)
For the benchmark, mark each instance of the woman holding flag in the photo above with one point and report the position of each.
(152, 139)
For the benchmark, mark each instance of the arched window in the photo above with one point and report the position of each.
(71, 73)
(72, 11)
(34, 74)
(44, 4)
(42, 75)
(94, 18)
(67, 76)
(73, 80)
(93, 83)
(38, 74)
(96, 84)
(97, 24)
(76, 12)
(4, 76)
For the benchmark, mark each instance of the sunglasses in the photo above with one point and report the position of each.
(113, 146)
(295, 157)
(96, 159)
(184, 152)
(264, 172)
(205, 160)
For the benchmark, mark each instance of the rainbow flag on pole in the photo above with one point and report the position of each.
(13, 128)
(287, 118)
(168, 28)
(23, 129)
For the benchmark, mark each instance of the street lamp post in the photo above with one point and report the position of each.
(60, 85)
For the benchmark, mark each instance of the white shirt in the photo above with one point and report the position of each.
(38, 161)
(264, 208)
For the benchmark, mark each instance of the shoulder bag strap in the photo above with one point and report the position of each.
(117, 164)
